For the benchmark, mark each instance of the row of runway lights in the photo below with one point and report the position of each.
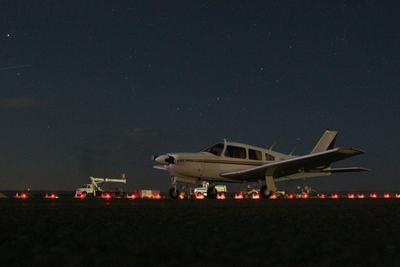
(323, 196)
(239, 195)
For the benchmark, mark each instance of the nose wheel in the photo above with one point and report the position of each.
(173, 192)
(211, 192)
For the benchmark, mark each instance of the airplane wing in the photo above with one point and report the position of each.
(315, 161)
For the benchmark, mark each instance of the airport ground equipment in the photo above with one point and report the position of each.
(94, 187)
(209, 191)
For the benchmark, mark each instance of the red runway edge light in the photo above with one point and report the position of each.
(21, 195)
(80, 195)
(239, 195)
(335, 196)
(221, 196)
(304, 196)
(106, 195)
(273, 196)
(290, 196)
(51, 196)
(199, 195)
(132, 196)
(373, 195)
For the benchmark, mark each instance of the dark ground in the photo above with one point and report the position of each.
(69, 232)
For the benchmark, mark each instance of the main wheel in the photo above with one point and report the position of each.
(264, 192)
(173, 193)
(211, 192)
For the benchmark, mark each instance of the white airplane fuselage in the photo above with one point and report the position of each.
(207, 166)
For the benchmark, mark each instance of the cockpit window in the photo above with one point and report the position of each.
(215, 149)
(235, 152)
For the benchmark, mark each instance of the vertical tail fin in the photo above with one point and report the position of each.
(327, 141)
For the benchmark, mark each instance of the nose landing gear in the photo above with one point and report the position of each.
(212, 192)
(173, 191)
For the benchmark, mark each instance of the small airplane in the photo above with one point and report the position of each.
(231, 162)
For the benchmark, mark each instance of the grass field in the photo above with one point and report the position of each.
(90, 232)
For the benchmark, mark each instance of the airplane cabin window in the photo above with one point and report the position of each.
(215, 149)
(269, 157)
(255, 154)
(235, 152)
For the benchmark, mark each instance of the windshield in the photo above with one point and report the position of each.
(215, 149)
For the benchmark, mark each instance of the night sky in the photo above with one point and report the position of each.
(98, 87)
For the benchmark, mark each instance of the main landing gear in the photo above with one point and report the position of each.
(269, 188)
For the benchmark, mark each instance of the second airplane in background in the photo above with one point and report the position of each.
(231, 162)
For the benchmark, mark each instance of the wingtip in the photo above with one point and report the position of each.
(350, 151)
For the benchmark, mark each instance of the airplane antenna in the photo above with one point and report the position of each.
(272, 146)
(294, 148)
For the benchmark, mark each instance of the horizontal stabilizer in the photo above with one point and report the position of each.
(347, 169)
